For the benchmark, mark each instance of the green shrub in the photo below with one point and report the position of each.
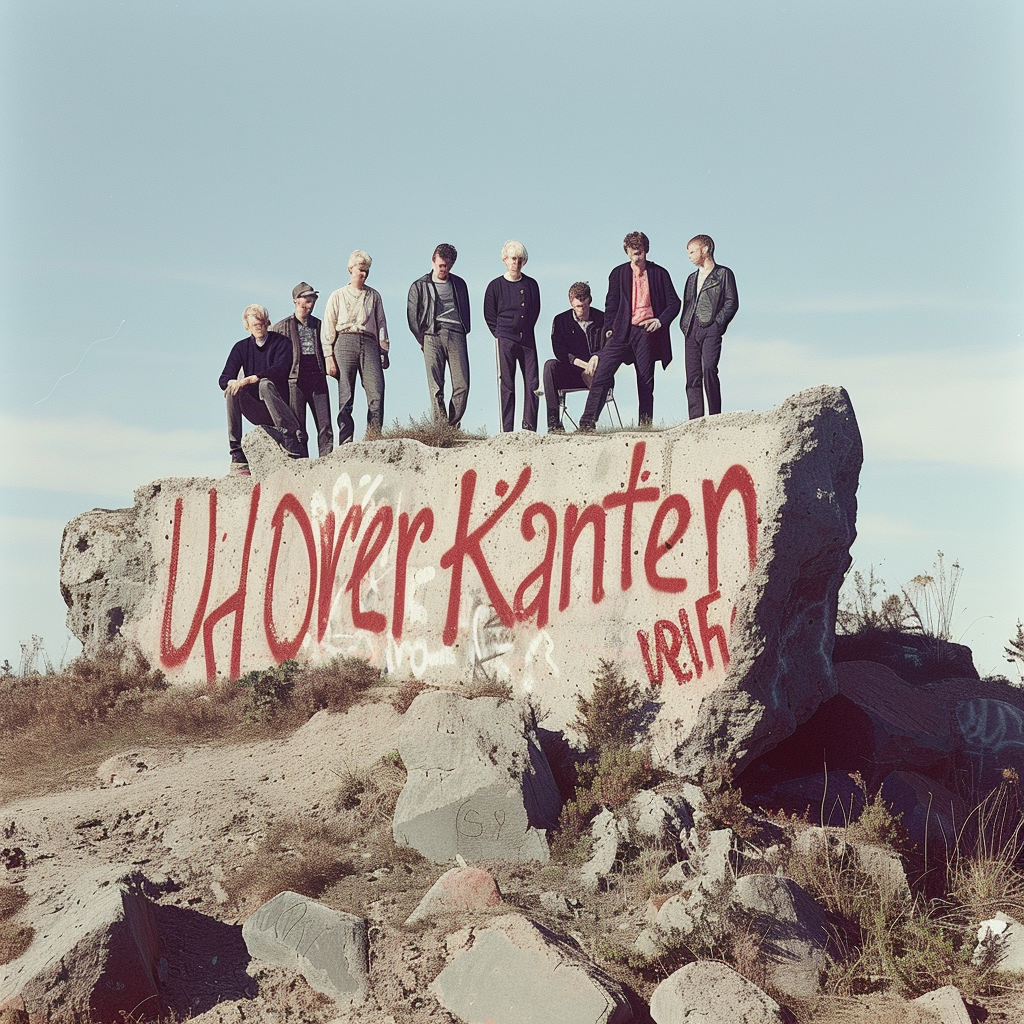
(268, 690)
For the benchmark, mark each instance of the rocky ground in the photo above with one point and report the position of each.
(215, 830)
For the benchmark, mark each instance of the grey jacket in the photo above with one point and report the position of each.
(423, 300)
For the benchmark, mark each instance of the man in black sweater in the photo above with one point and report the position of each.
(307, 378)
(511, 310)
(641, 304)
(576, 338)
(264, 359)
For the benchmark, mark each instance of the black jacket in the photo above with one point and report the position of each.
(716, 304)
(511, 320)
(568, 340)
(618, 307)
(422, 302)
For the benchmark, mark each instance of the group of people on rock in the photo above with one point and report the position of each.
(272, 376)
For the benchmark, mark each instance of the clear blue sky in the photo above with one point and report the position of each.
(858, 164)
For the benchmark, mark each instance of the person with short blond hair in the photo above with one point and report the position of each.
(254, 379)
(354, 336)
(511, 311)
(710, 301)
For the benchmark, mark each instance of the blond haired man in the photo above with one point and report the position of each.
(354, 336)
(254, 379)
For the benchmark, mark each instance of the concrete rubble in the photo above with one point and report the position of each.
(327, 947)
(710, 992)
(515, 972)
(478, 786)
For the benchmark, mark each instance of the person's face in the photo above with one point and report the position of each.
(304, 306)
(257, 325)
(581, 307)
(441, 267)
(637, 258)
(358, 274)
(514, 263)
(696, 252)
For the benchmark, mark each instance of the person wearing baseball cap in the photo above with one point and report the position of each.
(307, 379)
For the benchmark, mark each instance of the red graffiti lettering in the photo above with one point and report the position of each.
(330, 553)
(542, 573)
(657, 549)
(370, 547)
(593, 515)
(233, 605)
(736, 479)
(684, 625)
(467, 545)
(282, 650)
(711, 632)
(668, 642)
(423, 521)
(628, 498)
(171, 656)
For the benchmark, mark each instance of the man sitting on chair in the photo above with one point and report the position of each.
(576, 338)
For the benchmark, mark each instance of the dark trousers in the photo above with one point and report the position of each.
(560, 376)
(510, 355)
(447, 348)
(313, 393)
(358, 354)
(262, 405)
(638, 344)
(703, 348)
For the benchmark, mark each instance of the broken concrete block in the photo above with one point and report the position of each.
(94, 957)
(710, 992)
(794, 940)
(516, 972)
(945, 1004)
(664, 817)
(327, 947)
(458, 889)
(478, 784)
(1002, 939)
(607, 833)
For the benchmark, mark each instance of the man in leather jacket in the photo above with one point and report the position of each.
(576, 338)
(307, 379)
(438, 314)
(709, 304)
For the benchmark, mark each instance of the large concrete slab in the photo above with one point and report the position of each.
(705, 559)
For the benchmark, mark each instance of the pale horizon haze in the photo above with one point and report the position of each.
(859, 166)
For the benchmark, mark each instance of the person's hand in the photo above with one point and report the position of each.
(331, 366)
(654, 324)
(385, 359)
(589, 370)
(234, 386)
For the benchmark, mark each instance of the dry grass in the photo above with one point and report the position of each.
(433, 432)
(54, 727)
(14, 938)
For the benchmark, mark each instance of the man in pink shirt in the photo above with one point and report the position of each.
(641, 304)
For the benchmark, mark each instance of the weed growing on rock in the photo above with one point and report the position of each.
(611, 720)
(431, 431)
(268, 689)
(1014, 651)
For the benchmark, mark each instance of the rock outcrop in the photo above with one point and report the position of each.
(704, 559)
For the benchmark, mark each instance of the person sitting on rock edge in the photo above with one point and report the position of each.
(262, 359)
